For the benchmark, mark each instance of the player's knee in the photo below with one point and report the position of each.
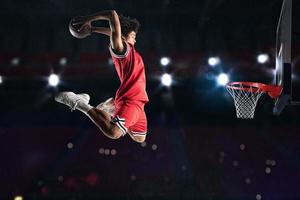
(115, 132)
(140, 139)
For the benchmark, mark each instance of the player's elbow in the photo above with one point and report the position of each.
(113, 14)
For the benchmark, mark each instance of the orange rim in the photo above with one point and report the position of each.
(273, 90)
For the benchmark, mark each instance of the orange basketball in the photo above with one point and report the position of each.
(74, 30)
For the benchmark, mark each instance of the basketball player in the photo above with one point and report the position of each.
(125, 113)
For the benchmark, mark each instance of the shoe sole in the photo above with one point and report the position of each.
(61, 95)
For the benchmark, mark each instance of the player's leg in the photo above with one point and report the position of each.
(103, 121)
(137, 138)
(107, 106)
(100, 118)
(138, 131)
(127, 115)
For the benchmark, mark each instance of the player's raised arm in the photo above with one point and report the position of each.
(102, 30)
(114, 23)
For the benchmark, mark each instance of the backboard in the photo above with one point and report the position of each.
(283, 75)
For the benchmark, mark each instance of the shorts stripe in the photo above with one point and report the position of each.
(120, 122)
(138, 133)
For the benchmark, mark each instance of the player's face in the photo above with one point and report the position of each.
(131, 38)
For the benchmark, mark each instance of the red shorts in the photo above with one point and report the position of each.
(130, 115)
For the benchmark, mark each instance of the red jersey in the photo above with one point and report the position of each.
(131, 71)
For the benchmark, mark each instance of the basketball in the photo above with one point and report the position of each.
(74, 29)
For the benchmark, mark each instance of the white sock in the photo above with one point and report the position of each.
(83, 107)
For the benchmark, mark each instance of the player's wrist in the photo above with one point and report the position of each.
(93, 29)
(88, 19)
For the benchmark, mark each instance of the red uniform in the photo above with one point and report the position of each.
(131, 96)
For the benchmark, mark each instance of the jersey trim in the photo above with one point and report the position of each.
(120, 55)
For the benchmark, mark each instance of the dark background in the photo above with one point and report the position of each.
(195, 148)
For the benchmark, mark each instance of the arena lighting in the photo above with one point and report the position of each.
(63, 61)
(144, 144)
(113, 152)
(106, 151)
(258, 197)
(164, 61)
(213, 61)
(268, 170)
(101, 150)
(70, 145)
(15, 61)
(18, 198)
(166, 80)
(110, 62)
(60, 178)
(53, 80)
(1, 79)
(262, 58)
(222, 79)
(154, 147)
(248, 180)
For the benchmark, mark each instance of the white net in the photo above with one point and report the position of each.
(245, 100)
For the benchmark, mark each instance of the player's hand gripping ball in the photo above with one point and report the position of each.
(80, 28)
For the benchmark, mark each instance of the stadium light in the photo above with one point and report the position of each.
(262, 58)
(213, 61)
(15, 61)
(18, 198)
(222, 79)
(53, 80)
(110, 62)
(166, 80)
(63, 61)
(164, 61)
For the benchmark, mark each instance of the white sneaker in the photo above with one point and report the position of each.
(71, 99)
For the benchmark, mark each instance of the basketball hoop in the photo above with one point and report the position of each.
(246, 94)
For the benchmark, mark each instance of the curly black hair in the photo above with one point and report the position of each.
(128, 25)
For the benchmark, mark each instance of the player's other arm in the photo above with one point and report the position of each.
(103, 30)
(114, 30)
